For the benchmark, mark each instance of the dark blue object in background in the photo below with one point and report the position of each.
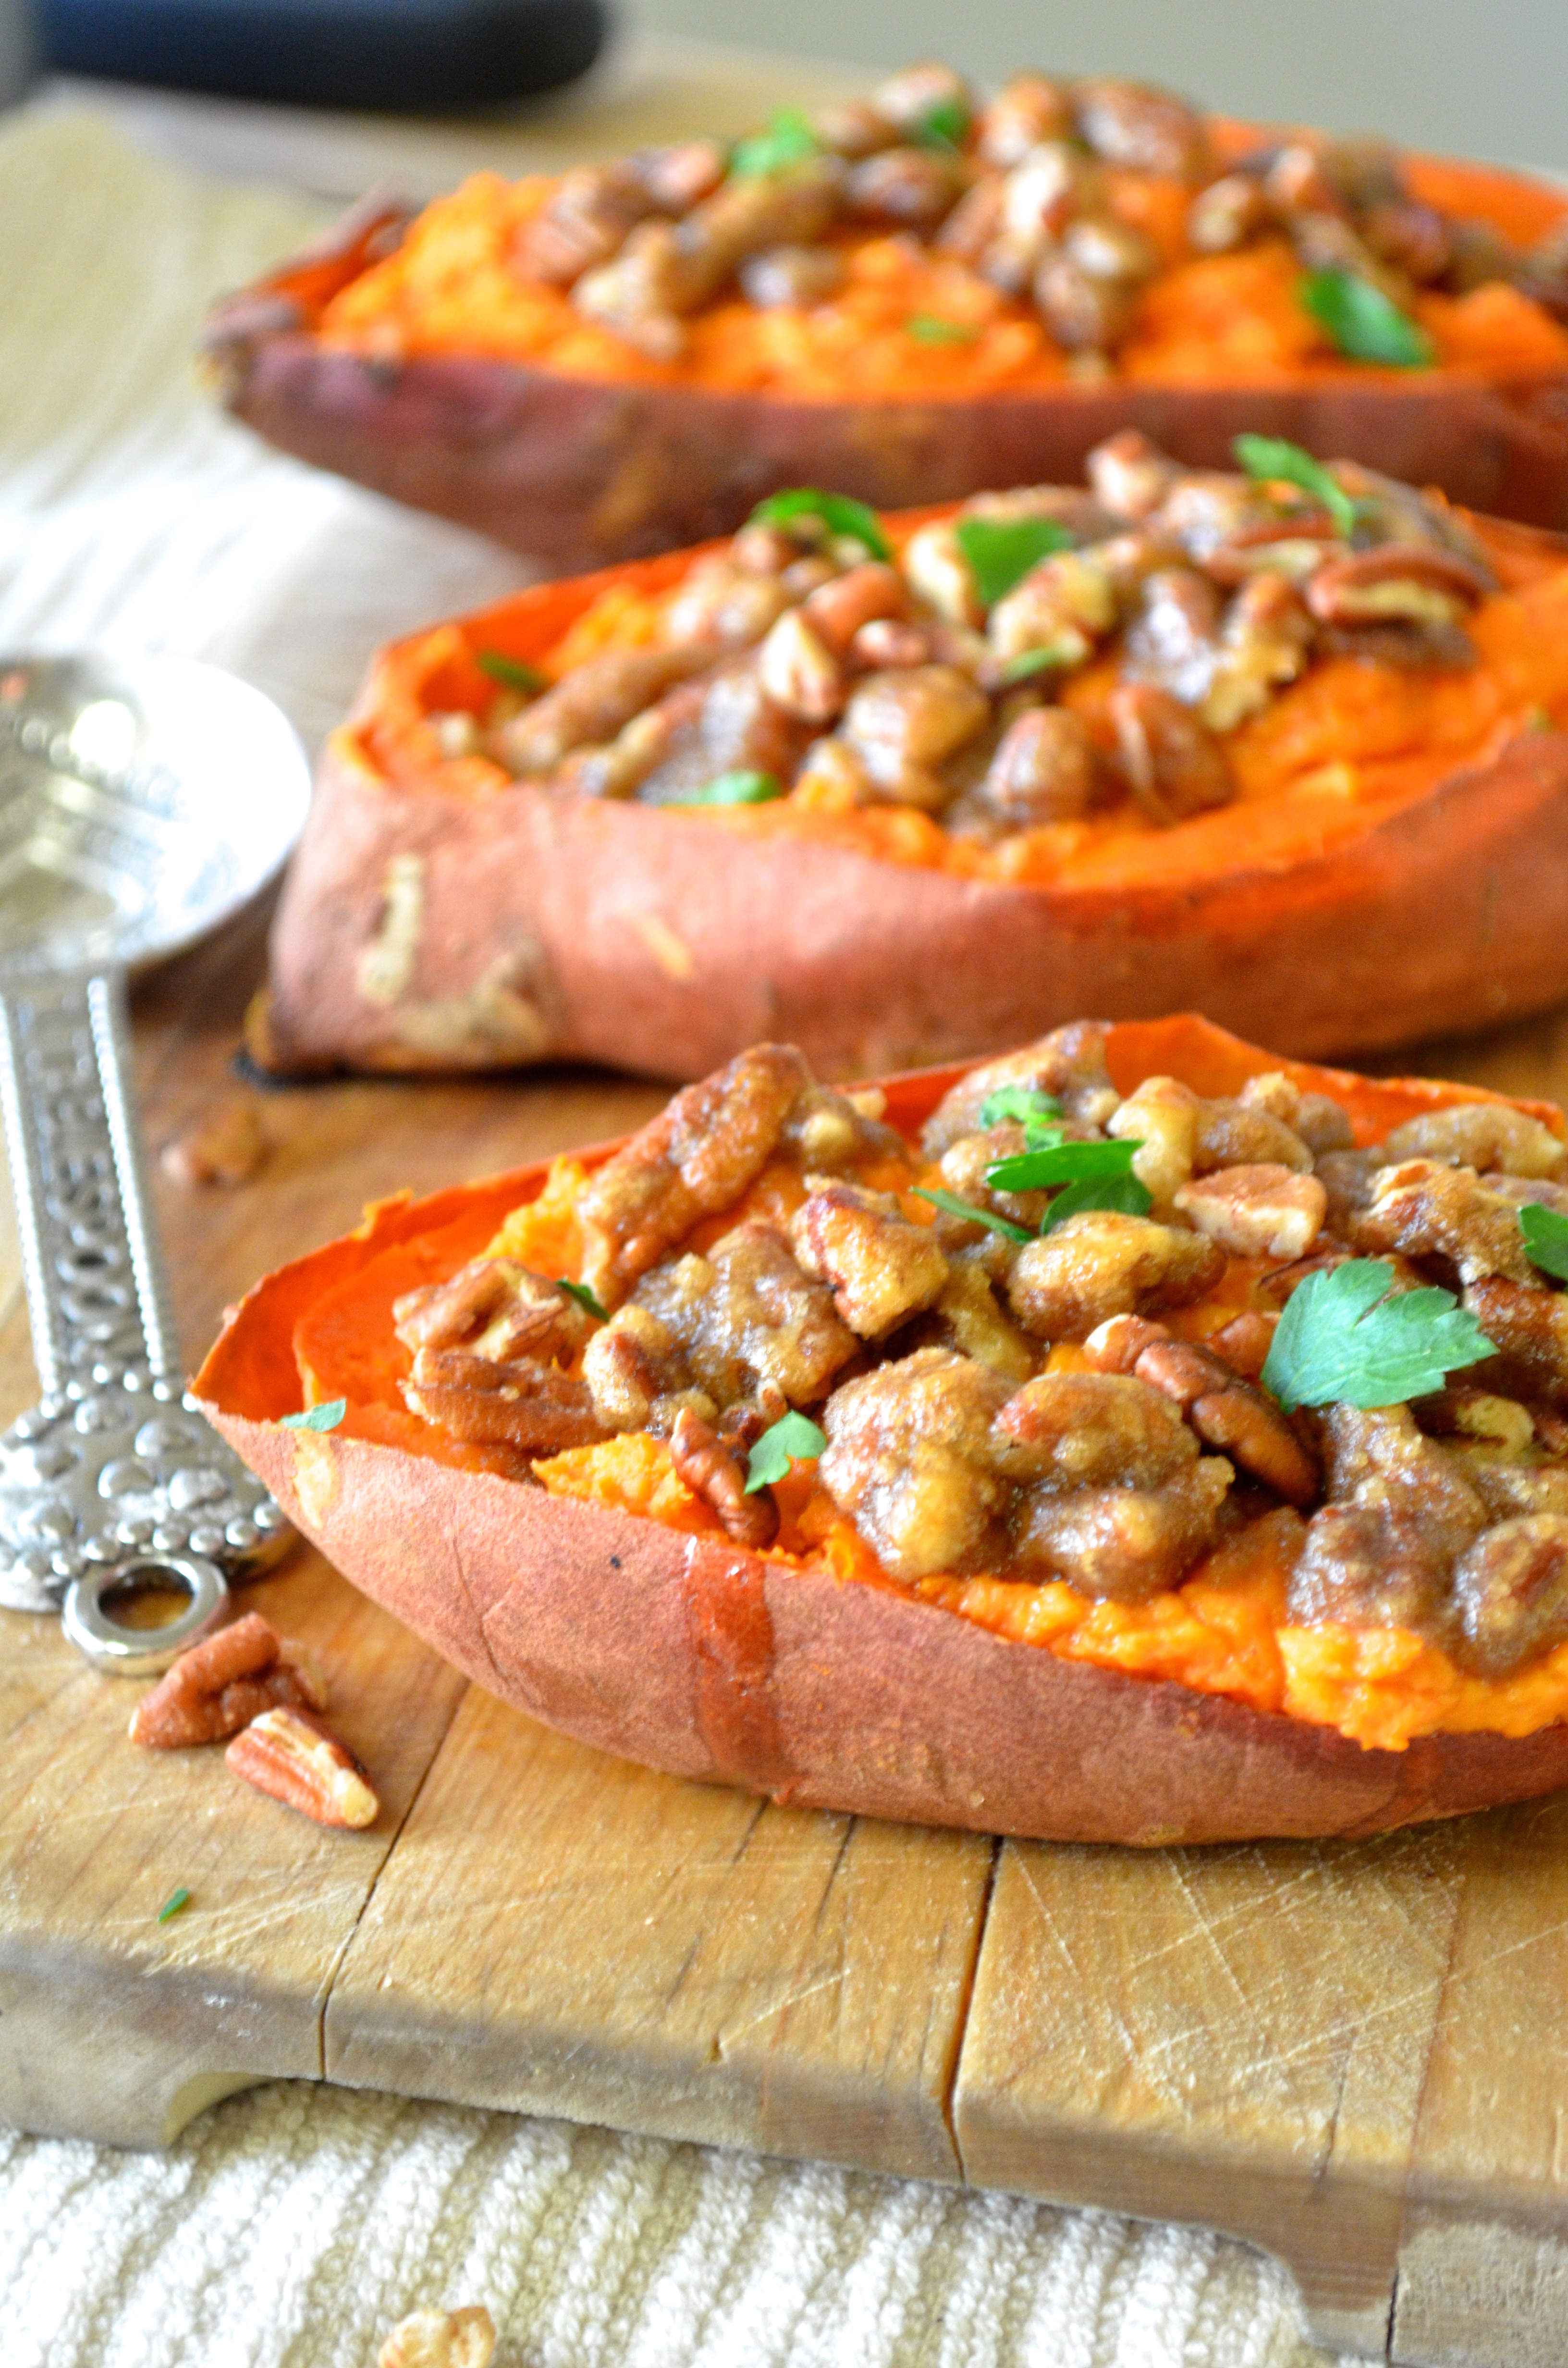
(402, 55)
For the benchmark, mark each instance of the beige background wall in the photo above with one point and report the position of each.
(1479, 77)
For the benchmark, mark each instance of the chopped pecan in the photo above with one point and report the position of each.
(1161, 1116)
(1511, 1589)
(881, 1268)
(712, 1473)
(535, 1408)
(223, 1683)
(305, 1767)
(798, 672)
(1174, 638)
(638, 1375)
(1140, 126)
(725, 603)
(1481, 1135)
(493, 1307)
(852, 128)
(1028, 109)
(1067, 603)
(744, 1314)
(681, 176)
(1529, 1327)
(909, 98)
(1102, 1263)
(903, 724)
(1255, 1211)
(911, 1461)
(1526, 1191)
(968, 1317)
(591, 705)
(828, 1131)
(1239, 1133)
(1396, 581)
(696, 1158)
(1348, 1177)
(1447, 1212)
(1313, 1119)
(890, 642)
(1502, 1424)
(1402, 1510)
(441, 2339)
(1042, 771)
(1412, 237)
(1069, 1064)
(1245, 1340)
(226, 1146)
(783, 278)
(1228, 213)
(585, 222)
(1224, 1410)
(838, 611)
(1169, 759)
(916, 186)
(1131, 475)
(1417, 647)
(1263, 642)
(1084, 311)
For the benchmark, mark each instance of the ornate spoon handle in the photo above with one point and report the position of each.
(113, 1464)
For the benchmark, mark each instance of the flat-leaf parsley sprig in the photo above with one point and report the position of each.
(794, 1436)
(1347, 1338)
(1546, 1238)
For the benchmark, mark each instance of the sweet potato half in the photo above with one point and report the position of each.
(467, 375)
(439, 915)
(692, 1655)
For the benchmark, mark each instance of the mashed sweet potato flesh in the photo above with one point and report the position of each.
(1224, 1630)
(452, 287)
(1331, 756)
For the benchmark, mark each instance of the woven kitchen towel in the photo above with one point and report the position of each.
(289, 2228)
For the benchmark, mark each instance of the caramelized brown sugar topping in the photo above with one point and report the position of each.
(1170, 671)
(1209, 1386)
(924, 241)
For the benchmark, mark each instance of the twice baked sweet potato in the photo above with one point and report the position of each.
(1066, 1568)
(1285, 751)
(911, 300)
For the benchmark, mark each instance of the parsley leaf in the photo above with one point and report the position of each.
(945, 125)
(1343, 1340)
(318, 1417)
(172, 1904)
(1123, 1193)
(1546, 1238)
(1050, 655)
(1001, 552)
(583, 1297)
(1059, 1162)
(953, 1207)
(792, 1435)
(789, 140)
(839, 513)
(1025, 1105)
(1364, 323)
(1271, 460)
(511, 671)
(740, 789)
(928, 329)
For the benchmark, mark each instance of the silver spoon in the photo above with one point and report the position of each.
(140, 805)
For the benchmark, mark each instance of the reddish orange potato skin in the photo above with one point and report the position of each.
(579, 472)
(692, 1656)
(661, 943)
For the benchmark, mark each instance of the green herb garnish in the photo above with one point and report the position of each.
(928, 329)
(1025, 1105)
(510, 671)
(789, 140)
(172, 1904)
(1001, 552)
(1363, 321)
(945, 126)
(583, 1297)
(953, 1207)
(1122, 1193)
(318, 1417)
(840, 513)
(793, 1435)
(1344, 1340)
(1546, 1238)
(1043, 660)
(1271, 460)
(739, 788)
(1048, 1163)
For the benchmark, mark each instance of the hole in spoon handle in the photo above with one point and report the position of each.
(90, 1258)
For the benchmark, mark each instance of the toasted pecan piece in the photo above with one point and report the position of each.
(223, 1683)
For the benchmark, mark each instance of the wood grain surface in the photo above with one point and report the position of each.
(1351, 2054)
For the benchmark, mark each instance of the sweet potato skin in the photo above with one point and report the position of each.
(579, 472)
(661, 943)
(692, 1656)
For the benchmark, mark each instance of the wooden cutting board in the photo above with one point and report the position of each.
(1352, 2053)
